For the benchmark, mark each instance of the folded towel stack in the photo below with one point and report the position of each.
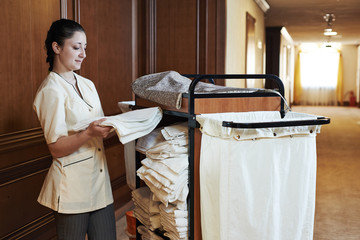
(146, 210)
(147, 234)
(165, 172)
(165, 168)
(174, 222)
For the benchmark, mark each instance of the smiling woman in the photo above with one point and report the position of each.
(77, 186)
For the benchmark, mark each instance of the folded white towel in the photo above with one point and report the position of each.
(129, 125)
(173, 211)
(170, 168)
(175, 131)
(162, 181)
(176, 222)
(155, 179)
(173, 236)
(178, 194)
(147, 234)
(170, 148)
(180, 232)
(150, 140)
(144, 198)
(150, 221)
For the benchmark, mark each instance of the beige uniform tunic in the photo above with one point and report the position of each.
(78, 182)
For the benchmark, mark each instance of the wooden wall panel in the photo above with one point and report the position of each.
(176, 36)
(22, 62)
(24, 157)
(110, 59)
(272, 54)
(23, 195)
(24, 161)
(186, 36)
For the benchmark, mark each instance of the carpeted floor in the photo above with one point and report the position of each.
(337, 214)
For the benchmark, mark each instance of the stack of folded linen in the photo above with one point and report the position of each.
(165, 168)
(167, 179)
(147, 234)
(165, 172)
(174, 221)
(146, 210)
(148, 141)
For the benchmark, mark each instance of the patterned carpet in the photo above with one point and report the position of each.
(337, 214)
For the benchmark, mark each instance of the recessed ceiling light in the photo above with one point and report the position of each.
(330, 33)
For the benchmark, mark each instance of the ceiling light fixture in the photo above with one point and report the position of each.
(263, 5)
(329, 18)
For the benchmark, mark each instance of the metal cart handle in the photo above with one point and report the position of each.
(211, 78)
(318, 121)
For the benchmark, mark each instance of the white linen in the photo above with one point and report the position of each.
(172, 211)
(147, 234)
(146, 210)
(129, 125)
(168, 149)
(143, 197)
(174, 221)
(179, 194)
(257, 189)
(150, 140)
(130, 160)
(169, 167)
(165, 172)
(175, 131)
(150, 221)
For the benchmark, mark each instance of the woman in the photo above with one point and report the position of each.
(77, 186)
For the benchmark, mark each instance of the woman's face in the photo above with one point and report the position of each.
(72, 53)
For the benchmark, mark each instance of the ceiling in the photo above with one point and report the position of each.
(304, 19)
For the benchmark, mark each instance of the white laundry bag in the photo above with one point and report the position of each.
(257, 183)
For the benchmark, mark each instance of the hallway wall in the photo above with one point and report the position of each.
(236, 38)
(350, 60)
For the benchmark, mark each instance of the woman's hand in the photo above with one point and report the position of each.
(69, 144)
(95, 130)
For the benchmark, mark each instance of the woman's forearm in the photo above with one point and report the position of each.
(69, 144)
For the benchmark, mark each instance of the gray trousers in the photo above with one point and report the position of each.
(98, 225)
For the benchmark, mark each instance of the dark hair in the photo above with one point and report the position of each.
(59, 31)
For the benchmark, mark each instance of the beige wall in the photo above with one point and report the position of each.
(350, 58)
(358, 75)
(236, 38)
(287, 63)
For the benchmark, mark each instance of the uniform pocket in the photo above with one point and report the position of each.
(76, 181)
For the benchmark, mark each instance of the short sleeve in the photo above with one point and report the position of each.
(49, 106)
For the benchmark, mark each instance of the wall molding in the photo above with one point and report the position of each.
(27, 139)
(63, 9)
(22, 139)
(27, 229)
(24, 170)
